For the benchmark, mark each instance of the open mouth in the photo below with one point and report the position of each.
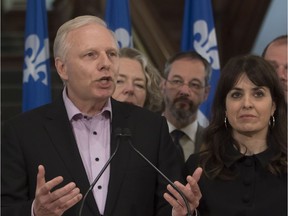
(105, 79)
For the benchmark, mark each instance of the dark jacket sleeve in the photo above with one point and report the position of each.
(191, 164)
(15, 197)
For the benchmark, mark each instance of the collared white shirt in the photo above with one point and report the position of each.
(188, 140)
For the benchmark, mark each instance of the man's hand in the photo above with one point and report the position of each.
(54, 203)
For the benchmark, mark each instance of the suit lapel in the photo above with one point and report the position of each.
(199, 138)
(61, 133)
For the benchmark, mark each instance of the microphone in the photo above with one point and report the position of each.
(118, 134)
(127, 133)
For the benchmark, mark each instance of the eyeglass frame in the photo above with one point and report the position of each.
(177, 83)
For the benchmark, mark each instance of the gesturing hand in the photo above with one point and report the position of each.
(54, 203)
(191, 191)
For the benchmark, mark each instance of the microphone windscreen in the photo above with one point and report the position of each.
(118, 132)
(126, 132)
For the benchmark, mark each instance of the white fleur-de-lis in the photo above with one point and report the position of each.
(36, 62)
(123, 37)
(207, 44)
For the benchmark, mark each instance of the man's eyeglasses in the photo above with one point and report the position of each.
(193, 85)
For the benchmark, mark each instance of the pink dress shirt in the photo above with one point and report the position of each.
(92, 134)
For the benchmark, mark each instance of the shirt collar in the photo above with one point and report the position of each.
(73, 111)
(232, 155)
(190, 130)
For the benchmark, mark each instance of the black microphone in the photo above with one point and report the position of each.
(118, 134)
(127, 133)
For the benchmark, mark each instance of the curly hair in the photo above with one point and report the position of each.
(154, 99)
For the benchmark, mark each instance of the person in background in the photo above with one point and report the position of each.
(244, 157)
(276, 53)
(138, 81)
(51, 155)
(184, 88)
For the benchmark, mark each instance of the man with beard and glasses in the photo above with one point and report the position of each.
(185, 87)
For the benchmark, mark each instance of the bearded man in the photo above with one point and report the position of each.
(185, 87)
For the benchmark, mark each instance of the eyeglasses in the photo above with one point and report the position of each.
(193, 85)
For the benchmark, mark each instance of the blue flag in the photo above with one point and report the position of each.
(117, 17)
(198, 34)
(36, 69)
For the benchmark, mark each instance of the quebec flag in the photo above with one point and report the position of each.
(117, 17)
(198, 34)
(36, 68)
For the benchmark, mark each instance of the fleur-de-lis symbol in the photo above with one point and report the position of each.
(123, 37)
(205, 43)
(35, 62)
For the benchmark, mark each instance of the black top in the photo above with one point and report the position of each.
(253, 192)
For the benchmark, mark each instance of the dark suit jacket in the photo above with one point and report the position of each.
(199, 138)
(44, 136)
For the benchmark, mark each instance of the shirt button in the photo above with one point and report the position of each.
(97, 159)
(99, 187)
(94, 132)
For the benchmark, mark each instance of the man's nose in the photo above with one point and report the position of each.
(104, 62)
(185, 90)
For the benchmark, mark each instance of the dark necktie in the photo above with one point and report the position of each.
(176, 135)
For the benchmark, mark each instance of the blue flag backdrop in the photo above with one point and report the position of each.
(117, 17)
(36, 69)
(199, 34)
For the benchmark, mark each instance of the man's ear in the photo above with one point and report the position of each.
(61, 69)
(162, 85)
(207, 91)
